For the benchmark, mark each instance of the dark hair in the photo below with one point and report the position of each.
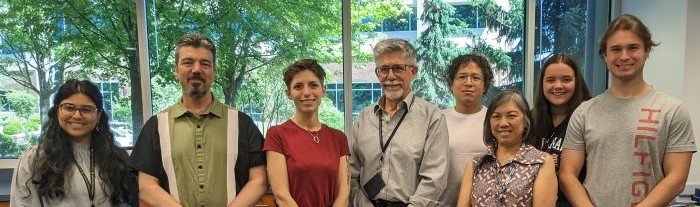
(54, 155)
(631, 23)
(542, 111)
(302, 65)
(500, 99)
(196, 41)
(463, 60)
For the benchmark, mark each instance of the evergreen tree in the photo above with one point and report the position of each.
(435, 51)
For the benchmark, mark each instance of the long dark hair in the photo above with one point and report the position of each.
(54, 155)
(542, 111)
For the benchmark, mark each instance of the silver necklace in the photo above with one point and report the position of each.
(315, 137)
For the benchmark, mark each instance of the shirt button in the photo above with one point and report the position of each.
(201, 186)
(200, 166)
(199, 146)
(198, 126)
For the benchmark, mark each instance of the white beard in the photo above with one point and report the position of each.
(395, 95)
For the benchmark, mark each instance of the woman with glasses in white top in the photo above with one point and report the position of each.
(77, 162)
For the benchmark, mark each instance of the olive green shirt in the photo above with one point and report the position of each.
(199, 142)
(199, 152)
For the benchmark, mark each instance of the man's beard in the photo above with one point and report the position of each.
(394, 95)
(198, 91)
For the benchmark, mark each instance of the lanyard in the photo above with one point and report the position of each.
(382, 145)
(89, 183)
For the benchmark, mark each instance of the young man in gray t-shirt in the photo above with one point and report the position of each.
(628, 135)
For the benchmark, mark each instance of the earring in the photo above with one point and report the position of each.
(97, 128)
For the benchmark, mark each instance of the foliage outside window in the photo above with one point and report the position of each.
(43, 43)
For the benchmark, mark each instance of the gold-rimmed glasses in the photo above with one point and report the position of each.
(462, 78)
(86, 111)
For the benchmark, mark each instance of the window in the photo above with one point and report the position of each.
(96, 40)
(255, 42)
(404, 22)
(92, 40)
(570, 27)
(503, 45)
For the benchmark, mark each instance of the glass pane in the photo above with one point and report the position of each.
(493, 28)
(570, 27)
(255, 42)
(43, 43)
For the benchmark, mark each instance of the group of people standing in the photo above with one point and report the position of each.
(569, 149)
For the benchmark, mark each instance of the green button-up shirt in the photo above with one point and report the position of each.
(199, 154)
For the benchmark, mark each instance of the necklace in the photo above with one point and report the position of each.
(314, 136)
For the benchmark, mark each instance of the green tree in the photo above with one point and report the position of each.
(8, 147)
(22, 103)
(563, 29)
(435, 51)
(108, 46)
(249, 35)
(367, 15)
(255, 41)
(39, 43)
(509, 24)
(329, 114)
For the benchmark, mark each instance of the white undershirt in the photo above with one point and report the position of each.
(466, 141)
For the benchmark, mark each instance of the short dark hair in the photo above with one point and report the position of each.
(542, 112)
(197, 41)
(463, 60)
(302, 65)
(500, 99)
(631, 23)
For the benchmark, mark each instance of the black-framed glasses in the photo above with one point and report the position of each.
(398, 69)
(86, 111)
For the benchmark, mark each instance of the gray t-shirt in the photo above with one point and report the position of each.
(625, 142)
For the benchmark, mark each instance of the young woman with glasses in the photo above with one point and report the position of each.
(77, 162)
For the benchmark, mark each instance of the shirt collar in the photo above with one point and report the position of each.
(216, 108)
(520, 157)
(406, 102)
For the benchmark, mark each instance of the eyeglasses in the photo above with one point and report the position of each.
(398, 69)
(462, 78)
(86, 111)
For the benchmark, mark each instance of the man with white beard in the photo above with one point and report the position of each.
(399, 144)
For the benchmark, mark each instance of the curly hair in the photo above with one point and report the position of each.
(54, 154)
(462, 60)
